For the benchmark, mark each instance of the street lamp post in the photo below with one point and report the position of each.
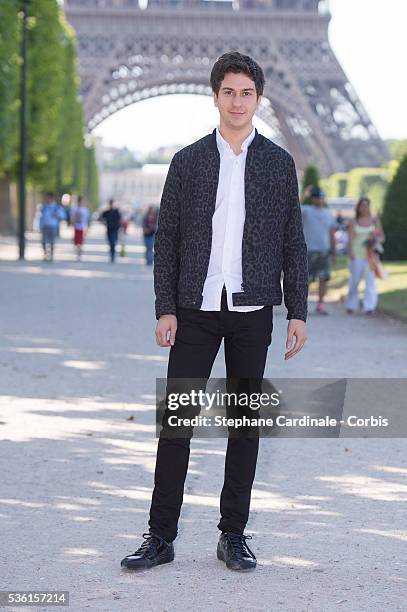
(23, 132)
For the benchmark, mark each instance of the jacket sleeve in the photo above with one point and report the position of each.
(295, 267)
(167, 243)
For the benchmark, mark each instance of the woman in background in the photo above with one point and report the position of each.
(365, 238)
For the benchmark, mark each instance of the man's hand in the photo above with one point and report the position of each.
(297, 329)
(166, 330)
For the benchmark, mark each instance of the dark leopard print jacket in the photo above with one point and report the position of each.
(273, 239)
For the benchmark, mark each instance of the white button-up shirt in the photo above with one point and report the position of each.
(225, 263)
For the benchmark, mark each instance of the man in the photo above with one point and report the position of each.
(112, 219)
(229, 224)
(51, 215)
(149, 225)
(80, 220)
(319, 231)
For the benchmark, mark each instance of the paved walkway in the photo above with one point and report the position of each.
(78, 364)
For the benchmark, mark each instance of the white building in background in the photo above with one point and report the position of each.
(134, 188)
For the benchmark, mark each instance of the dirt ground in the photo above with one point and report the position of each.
(78, 364)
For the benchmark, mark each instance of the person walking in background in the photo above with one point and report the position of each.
(149, 225)
(365, 240)
(112, 219)
(51, 215)
(319, 230)
(80, 220)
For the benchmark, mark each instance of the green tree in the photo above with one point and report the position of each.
(58, 159)
(9, 84)
(394, 217)
(310, 178)
(62, 154)
(91, 178)
(398, 148)
(376, 194)
(45, 89)
(56, 147)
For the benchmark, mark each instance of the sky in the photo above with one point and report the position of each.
(369, 38)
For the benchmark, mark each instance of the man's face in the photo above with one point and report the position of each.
(237, 101)
(318, 202)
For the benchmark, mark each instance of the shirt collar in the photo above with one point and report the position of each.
(222, 143)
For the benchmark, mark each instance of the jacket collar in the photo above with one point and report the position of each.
(210, 141)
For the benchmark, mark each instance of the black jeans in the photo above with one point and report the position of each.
(112, 238)
(247, 337)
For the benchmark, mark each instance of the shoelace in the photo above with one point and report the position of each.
(150, 538)
(239, 544)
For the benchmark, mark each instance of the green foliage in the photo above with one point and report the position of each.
(125, 159)
(398, 149)
(77, 168)
(361, 179)
(66, 154)
(45, 83)
(376, 194)
(367, 182)
(393, 166)
(310, 178)
(336, 185)
(92, 178)
(57, 157)
(394, 217)
(9, 84)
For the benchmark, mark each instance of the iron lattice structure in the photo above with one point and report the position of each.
(130, 50)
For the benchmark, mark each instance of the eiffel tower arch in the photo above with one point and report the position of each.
(131, 50)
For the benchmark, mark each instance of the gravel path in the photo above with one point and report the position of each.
(78, 364)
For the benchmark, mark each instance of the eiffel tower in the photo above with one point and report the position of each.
(132, 50)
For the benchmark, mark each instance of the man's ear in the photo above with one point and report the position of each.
(259, 99)
(215, 100)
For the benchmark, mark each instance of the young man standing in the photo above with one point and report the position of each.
(229, 224)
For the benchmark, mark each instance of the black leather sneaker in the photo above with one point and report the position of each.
(153, 551)
(232, 549)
